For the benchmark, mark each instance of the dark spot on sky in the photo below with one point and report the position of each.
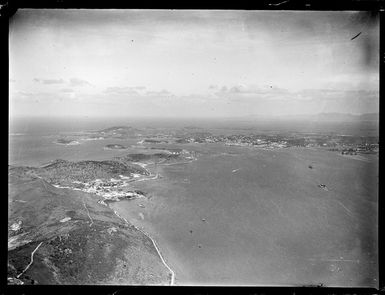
(356, 36)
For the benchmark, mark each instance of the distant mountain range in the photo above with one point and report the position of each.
(323, 117)
(370, 117)
(339, 117)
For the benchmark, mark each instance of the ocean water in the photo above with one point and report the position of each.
(240, 216)
(32, 141)
(267, 223)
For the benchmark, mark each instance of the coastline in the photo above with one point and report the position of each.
(169, 258)
(72, 142)
(153, 175)
(172, 279)
(171, 276)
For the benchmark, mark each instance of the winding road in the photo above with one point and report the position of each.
(33, 252)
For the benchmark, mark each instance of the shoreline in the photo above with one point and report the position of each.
(152, 175)
(172, 279)
(178, 163)
(72, 142)
(144, 178)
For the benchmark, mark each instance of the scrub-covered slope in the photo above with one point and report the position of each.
(80, 241)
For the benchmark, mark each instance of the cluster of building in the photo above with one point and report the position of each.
(343, 143)
(110, 190)
(237, 140)
(360, 149)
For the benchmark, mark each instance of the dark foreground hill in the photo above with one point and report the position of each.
(81, 241)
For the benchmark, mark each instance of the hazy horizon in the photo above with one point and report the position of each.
(192, 63)
(295, 117)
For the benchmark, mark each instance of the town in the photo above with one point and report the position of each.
(346, 144)
(110, 190)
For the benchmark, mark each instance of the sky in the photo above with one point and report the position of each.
(192, 63)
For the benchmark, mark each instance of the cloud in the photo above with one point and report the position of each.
(49, 81)
(333, 94)
(350, 81)
(43, 97)
(74, 82)
(25, 94)
(139, 87)
(243, 92)
(159, 93)
(240, 90)
(67, 90)
(137, 92)
(273, 99)
(24, 97)
(236, 89)
(130, 91)
(134, 97)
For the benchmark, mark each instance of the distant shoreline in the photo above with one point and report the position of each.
(67, 142)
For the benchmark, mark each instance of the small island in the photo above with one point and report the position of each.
(64, 141)
(115, 147)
